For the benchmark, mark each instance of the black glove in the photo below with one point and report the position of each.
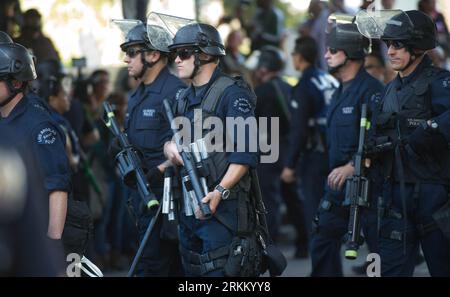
(427, 140)
(155, 177)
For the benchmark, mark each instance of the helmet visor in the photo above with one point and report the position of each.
(161, 28)
(125, 25)
(384, 24)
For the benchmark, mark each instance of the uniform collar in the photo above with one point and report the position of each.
(356, 81)
(426, 62)
(19, 109)
(308, 71)
(158, 84)
(195, 99)
(154, 87)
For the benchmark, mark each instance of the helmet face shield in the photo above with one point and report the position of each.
(413, 27)
(384, 24)
(156, 34)
(161, 28)
(129, 29)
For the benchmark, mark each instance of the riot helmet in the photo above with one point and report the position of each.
(347, 38)
(16, 63)
(414, 28)
(136, 36)
(155, 34)
(203, 36)
(271, 58)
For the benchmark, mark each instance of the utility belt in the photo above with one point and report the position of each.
(251, 251)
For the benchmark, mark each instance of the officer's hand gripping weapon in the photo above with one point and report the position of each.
(189, 164)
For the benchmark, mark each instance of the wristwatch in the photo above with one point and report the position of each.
(433, 125)
(225, 193)
(430, 124)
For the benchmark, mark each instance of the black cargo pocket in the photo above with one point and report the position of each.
(347, 128)
(78, 227)
(148, 131)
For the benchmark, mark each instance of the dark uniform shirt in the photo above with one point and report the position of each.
(344, 115)
(311, 98)
(145, 122)
(35, 130)
(25, 248)
(235, 102)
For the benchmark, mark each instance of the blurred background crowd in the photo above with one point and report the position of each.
(76, 39)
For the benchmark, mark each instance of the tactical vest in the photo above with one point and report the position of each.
(414, 108)
(244, 255)
(217, 163)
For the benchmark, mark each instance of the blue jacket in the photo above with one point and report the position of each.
(235, 102)
(344, 115)
(311, 98)
(35, 130)
(145, 122)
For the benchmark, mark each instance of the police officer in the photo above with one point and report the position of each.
(307, 138)
(147, 61)
(273, 95)
(414, 118)
(25, 248)
(205, 243)
(345, 57)
(34, 129)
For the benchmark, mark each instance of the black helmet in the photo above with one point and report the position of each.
(139, 35)
(271, 57)
(203, 36)
(16, 62)
(346, 37)
(414, 28)
(136, 36)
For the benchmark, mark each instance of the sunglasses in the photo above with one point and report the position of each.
(395, 44)
(132, 51)
(185, 53)
(333, 51)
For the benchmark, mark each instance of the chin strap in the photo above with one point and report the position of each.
(198, 63)
(335, 69)
(413, 57)
(145, 64)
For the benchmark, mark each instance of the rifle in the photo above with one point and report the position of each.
(189, 165)
(357, 192)
(128, 162)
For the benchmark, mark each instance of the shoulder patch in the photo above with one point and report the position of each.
(242, 105)
(46, 136)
